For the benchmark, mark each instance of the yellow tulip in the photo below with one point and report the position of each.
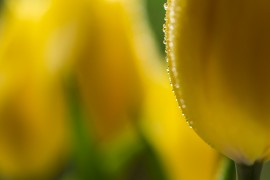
(38, 41)
(108, 79)
(179, 148)
(184, 155)
(219, 63)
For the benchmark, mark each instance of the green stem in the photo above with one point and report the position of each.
(245, 172)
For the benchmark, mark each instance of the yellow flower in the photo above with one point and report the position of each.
(219, 62)
(108, 78)
(181, 150)
(38, 41)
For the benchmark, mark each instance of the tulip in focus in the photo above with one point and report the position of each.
(181, 150)
(218, 55)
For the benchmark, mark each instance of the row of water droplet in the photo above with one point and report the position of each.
(168, 41)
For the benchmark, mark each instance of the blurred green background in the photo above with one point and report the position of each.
(156, 14)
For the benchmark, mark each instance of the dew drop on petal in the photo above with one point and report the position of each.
(164, 28)
(165, 6)
(190, 125)
(164, 41)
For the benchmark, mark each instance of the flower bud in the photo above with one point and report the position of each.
(218, 53)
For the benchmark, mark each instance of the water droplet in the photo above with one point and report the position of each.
(173, 69)
(182, 104)
(164, 28)
(190, 124)
(165, 6)
(164, 41)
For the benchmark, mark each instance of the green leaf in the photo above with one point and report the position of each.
(87, 159)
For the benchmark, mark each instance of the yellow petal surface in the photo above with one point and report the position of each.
(219, 62)
(182, 152)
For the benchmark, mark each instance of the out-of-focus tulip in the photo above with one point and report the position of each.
(181, 151)
(38, 41)
(184, 155)
(108, 78)
(219, 61)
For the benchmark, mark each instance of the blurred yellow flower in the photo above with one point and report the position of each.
(39, 39)
(108, 78)
(184, 155)
(181, 151)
